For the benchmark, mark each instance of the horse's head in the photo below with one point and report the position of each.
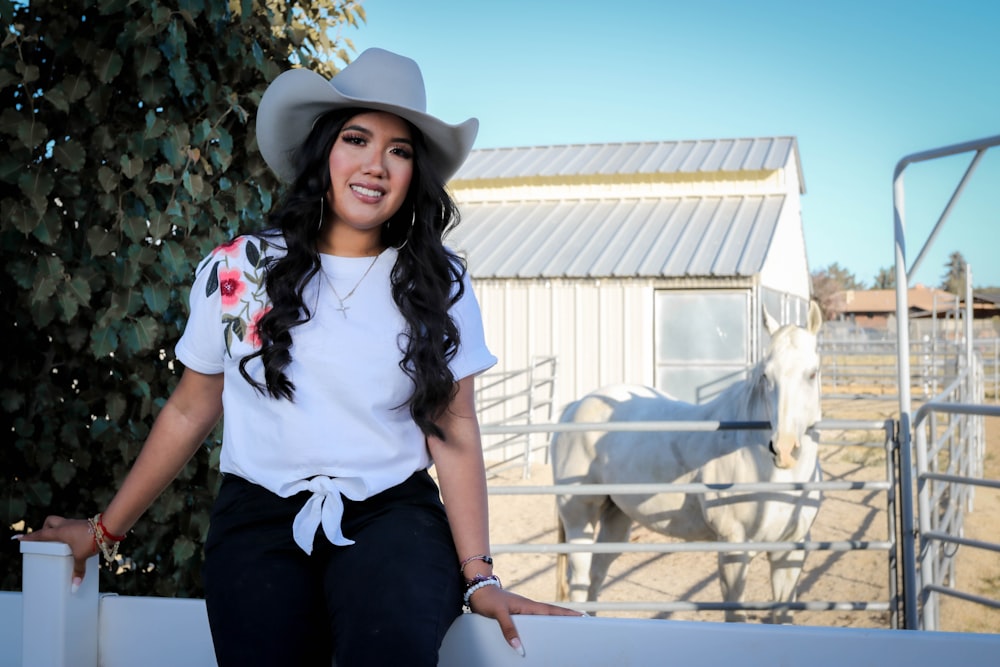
(790, 381)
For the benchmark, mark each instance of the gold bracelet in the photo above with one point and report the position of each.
(102, 537)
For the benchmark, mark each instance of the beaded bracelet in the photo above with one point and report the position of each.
(479, 582)
(486, 558)
(101, 538)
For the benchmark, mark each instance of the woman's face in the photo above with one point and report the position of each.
(371, 164)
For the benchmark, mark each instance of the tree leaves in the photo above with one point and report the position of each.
(32, 133)
(100, 241)
(147, 61)
(107, 65)
(70, 155)
(128, 154)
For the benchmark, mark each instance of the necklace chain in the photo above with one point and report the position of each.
(343, 309)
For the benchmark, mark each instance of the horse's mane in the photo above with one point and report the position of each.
(748, 393)
(743, 395)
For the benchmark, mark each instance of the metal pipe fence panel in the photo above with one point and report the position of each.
(946, 434)
(885, 487)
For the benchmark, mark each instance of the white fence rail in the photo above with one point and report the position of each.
(86, 629)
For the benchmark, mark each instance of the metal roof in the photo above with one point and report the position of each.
(663, 157)
(629, 237)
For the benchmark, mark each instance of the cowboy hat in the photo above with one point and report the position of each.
(377, 79)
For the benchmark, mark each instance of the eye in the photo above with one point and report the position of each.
(353, 139)
(813, 374)
(401, 151)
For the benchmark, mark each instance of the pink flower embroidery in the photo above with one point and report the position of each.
(230, 248)
(231, 285)
(252, 336)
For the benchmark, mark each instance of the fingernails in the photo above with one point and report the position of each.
(16, 537)
(75, 586)
(515, 644)
(585, 615)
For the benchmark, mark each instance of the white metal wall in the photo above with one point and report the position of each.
(601, 331)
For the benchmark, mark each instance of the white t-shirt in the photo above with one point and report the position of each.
(344, 434)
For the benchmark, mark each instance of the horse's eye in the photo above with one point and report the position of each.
(813, 374)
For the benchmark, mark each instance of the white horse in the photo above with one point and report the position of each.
(783, 389)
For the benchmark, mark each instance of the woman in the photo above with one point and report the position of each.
(341, 344)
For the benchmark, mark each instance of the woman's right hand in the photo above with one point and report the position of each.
(76, 533)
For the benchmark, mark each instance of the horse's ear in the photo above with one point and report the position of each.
(771, 324)
(815, 316)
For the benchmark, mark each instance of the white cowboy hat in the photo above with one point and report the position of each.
(377, 79)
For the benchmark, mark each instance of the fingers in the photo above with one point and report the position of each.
(502, 606)
(527, 607)
(509, 631)
(494, 603)
(542, 608)
(46, 533)
(72, 532)
(40, 535)
(79, 571)
(53, 521)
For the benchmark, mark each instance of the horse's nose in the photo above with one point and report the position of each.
(784, 451)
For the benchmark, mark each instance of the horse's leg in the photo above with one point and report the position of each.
(733, 569)
(786, 567)
(579, 515)
(615, 527)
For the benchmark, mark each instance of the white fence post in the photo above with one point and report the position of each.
(59, 627)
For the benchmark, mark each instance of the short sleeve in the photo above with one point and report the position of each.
(473, 356)
(202, 345)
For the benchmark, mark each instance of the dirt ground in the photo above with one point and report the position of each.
(827, 576)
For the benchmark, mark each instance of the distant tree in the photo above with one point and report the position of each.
(954, 278)
(129, 152)
(885, 279)
(827, 282)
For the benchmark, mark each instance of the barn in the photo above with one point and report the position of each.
(645, 262)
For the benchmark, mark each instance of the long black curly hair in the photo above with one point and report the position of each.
(426, 278)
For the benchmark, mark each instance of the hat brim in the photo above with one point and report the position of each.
(298, 97)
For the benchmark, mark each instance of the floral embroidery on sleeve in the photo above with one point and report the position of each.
(241, 288)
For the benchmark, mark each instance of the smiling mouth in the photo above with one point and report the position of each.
(367, 192)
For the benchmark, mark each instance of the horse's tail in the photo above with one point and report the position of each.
(562, 562)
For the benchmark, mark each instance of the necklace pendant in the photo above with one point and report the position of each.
(343, 308)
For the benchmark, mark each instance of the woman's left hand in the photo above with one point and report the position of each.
(500, 605)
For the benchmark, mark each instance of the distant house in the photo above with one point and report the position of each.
(876, 308)
(985, 304)
(643, 262)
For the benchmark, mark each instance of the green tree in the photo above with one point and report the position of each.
(129, 154)
(827, 282)
(954, 278)
(885, 279)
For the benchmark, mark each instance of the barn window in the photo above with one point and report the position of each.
(702, 341)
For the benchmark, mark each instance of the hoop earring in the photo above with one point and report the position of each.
(406, 239)
(322, 209)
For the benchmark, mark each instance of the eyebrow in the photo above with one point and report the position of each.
(365, 130)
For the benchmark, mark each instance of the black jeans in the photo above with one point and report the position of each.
(387, 600)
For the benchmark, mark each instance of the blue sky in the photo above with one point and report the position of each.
(861, 84)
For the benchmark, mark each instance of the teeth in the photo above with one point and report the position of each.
(365, 191)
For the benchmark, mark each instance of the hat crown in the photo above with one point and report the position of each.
(381, 76)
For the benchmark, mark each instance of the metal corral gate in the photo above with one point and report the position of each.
(949, 452)
(888, 486)
(948, 430)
